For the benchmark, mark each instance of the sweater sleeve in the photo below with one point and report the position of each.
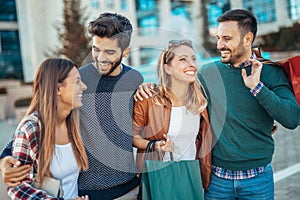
(7, 150)
(278, 99)
(25, 148)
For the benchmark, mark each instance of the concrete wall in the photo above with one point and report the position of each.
(37, 20)
(15, 91)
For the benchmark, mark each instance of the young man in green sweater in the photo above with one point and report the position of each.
(245, 98)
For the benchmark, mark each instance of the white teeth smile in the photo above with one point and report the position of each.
(80, 95)
(224, 53)
(103, 66)
(190, 73)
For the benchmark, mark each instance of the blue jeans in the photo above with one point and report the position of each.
(260, 187)
(113, 192)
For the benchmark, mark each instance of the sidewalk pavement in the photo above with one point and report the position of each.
(7, 128)
(287, 154)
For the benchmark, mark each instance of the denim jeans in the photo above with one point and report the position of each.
(127, 189)
(260, 187)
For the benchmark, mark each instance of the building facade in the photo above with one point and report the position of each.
(10, 52)
(27, 28)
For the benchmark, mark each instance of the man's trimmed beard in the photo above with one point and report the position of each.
(114, 66)
(240, 50)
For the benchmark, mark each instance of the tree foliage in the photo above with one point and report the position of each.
(72, 33)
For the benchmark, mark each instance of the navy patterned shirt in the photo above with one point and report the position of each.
(106, 127)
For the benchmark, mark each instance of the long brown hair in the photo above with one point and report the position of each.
(51, 72)
(195, 101)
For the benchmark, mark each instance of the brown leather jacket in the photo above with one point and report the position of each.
(151, 121)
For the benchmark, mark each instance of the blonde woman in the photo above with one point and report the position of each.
(176, 113)
(52, 141)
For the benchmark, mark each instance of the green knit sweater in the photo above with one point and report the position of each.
(241, 122)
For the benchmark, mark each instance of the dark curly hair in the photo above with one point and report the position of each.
(112, 25)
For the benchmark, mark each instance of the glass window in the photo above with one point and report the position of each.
(8, 10)
(147, 15)
(109, 4)
(215, 9)
(147, 24)
(95, 4)
(294, 9)
(213, 12)
(264, 10)
(124, 5)
(149, 58)
(10, 55)
(181, 10)
(145, 4)
(10, 41)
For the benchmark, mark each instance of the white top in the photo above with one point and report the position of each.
(64, 167)
(183, 130)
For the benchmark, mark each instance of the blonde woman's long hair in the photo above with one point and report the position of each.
(51, 72)
(195, 101)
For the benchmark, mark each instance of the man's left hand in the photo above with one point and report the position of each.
(253, 79)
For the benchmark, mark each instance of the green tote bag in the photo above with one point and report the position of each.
(172, 180)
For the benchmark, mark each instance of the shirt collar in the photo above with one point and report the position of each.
(246, 63)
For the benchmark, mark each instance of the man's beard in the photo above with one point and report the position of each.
(114, 66)
(234, 55)
(229, 59)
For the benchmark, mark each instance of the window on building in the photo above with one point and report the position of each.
(294, 9)
(145, 4)
(147, 17)
(149, 58)
(213, 12)
(215, 9)
(180, 10)
(95, 4)
(147, 25)
(109, 4)
(8, 10)
(10, 55)
(264, 10)
(9, 41)
(124, 5)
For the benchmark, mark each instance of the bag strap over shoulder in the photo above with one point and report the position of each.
(258, 53)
